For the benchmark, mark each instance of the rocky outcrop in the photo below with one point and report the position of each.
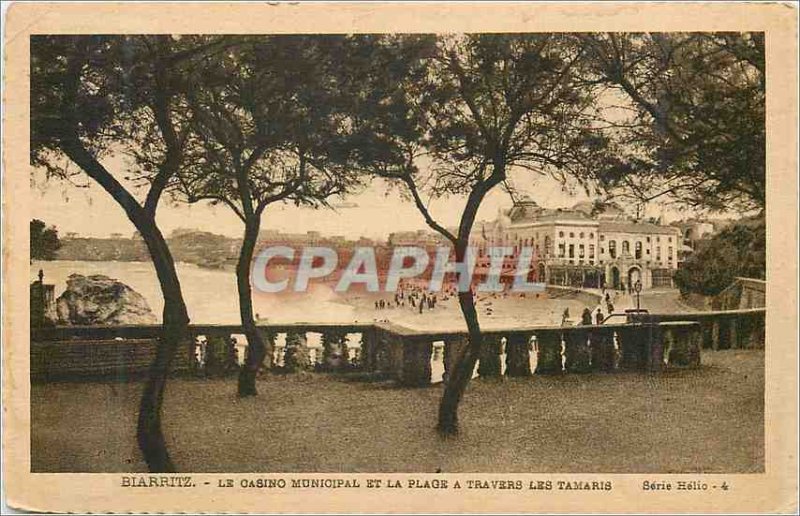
(100, 300)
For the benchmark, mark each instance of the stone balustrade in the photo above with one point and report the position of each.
(724, 329)
(413, 358)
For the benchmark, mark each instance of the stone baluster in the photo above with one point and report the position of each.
(216, 354)
(489, 363)
(715, 331)
(231, 353)
(733, 331)
(194, 353)
(576, 350)
(685, 345)
(334, 350)
(416, 370)
(654, 347)
(518, 355)
(706, 329)
(757, 334)
(279, 353)
(601, 341)
(454, 350)
(354, 356)
(381, 356)
(549, 354)
(438, 353)
(296, 356)
(268, 338)
(632, 347)
(367, 355)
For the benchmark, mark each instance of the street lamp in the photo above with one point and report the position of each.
(638, 288)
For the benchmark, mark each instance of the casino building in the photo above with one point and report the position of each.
(583, 246)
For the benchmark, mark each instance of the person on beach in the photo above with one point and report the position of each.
(586, 317)
(599, 316)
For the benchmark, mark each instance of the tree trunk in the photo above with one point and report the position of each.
(175, 318)
(175, 330)
(457, 382)
(462, 374)
(256, 350)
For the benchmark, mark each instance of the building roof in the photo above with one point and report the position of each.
(634, 227)
(521, 217)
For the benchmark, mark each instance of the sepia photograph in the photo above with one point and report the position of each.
(537, 253)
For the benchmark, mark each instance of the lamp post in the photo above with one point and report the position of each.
(638, 288)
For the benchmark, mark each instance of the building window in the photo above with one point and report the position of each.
(561, 234)
(572, 250)
(547, 246)
(638, 250)
(658, 239)
(561, 250)
(669, 256)
(670, 240)
(580, 251)
(591, 250)
(658, 253)
(626, 247)
(602, 238)
(591, 235)
(648, 240)
(648, 251)
(581, 235)
(572, 235)
(612, 248)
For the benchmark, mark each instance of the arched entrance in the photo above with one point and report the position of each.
(614, 278)
(540, 277)
(634, 275)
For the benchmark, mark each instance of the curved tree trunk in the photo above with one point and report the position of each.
(175, 331)
(175, 318)
(458, 381)
(256, 350)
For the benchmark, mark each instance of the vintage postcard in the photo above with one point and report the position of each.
(400, 257)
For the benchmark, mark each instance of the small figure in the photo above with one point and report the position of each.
(599, 317)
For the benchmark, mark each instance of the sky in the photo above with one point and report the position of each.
(374, 212)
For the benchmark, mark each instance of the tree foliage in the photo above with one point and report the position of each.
(262, 127)
(44, 241)
(97, 96)
(455, 115)
(692, 115)
(738, 250)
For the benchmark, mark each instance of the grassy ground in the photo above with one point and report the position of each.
(705, 420)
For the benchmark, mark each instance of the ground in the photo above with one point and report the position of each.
(705, 420)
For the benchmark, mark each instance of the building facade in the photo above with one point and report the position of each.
(583, 246)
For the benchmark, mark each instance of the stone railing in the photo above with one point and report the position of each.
(413, 358)
(724, 329)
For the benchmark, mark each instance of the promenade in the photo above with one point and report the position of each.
(704, 420)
